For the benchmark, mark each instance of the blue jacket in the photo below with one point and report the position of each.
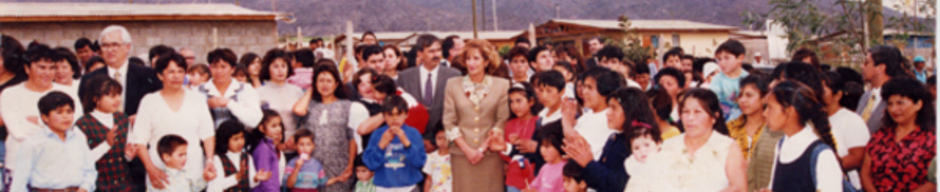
(609, 174)
(396, 165)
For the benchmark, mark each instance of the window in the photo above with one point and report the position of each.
(675, 40)
(654, 41)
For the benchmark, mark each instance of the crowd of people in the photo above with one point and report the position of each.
(455, 115)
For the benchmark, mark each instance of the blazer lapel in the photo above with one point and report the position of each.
(440, 85)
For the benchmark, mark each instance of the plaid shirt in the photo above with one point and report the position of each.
(112, 167)
(230, 169)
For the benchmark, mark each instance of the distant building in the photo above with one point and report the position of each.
(696, 38)
(200, 27)
(406, 39)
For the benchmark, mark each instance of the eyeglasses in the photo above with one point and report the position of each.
(111, 45)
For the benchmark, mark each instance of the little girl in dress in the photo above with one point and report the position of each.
(642, 166)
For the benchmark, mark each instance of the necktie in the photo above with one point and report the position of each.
(117, 77)
(866, 113)
(428, 91)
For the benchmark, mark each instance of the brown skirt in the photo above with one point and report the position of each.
(488, 175)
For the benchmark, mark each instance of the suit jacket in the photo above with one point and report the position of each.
(591, 62)
(410, 80)
(140, 81)
(475, 121)
(877, 114)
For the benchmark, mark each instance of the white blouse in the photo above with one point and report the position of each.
(703, 170)
(248, 107)
(192, 122)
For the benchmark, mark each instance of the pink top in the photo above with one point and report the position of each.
(550, 178)
(303, 78)
(523, 127)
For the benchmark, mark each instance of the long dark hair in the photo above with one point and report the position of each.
(99, 86)
(916, 91)
(339, 92)
(803, 99)
(709, 102)
(224, 133)
(253, 139)
(269, 58)
(636, 108)
(529, 93)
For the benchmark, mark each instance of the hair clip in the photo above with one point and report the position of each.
(641, 124)
(518, 85)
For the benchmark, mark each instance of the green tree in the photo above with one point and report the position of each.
(633, 49)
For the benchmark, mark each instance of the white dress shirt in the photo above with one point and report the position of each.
(828, 171)
(46, 161)
(222, 182)
(107, 120)
(178, 180)
(122, 79)
(248, 106)
(424, 79)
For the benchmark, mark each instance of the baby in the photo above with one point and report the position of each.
(645, 173)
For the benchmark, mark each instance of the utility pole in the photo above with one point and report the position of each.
(473, 10)
(483, 12)
(495, 21)
(875, 22)
(557, 15)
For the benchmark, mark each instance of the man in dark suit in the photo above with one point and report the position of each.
(426, 81)
(881, 64)
(594, 45)
(137, 81)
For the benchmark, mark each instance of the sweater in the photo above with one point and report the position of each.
(608, 173)
(396, 165)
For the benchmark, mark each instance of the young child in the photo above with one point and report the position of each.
(106, 130)
(238, 168)
(645, 143)
(729, 55)
(264, 149)
(240, 74)
(198, 75)
(551, 88)
(172, 151)
(57, 156)
(549, 178)
(573, 180)
(440, 175)
(569, 73)
(395, 151)
(363, 176)
(519, 129)
(305, 174)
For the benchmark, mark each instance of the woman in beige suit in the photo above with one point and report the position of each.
(476, 107)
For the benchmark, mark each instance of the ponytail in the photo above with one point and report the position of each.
(812, 111)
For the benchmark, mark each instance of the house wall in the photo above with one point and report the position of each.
(240, 36)
(700, 44)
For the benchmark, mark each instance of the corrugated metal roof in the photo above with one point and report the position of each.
(124, 9)
(480, 34)
(402, 35)
(649, 24)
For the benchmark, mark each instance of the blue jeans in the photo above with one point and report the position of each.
(512, 189)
